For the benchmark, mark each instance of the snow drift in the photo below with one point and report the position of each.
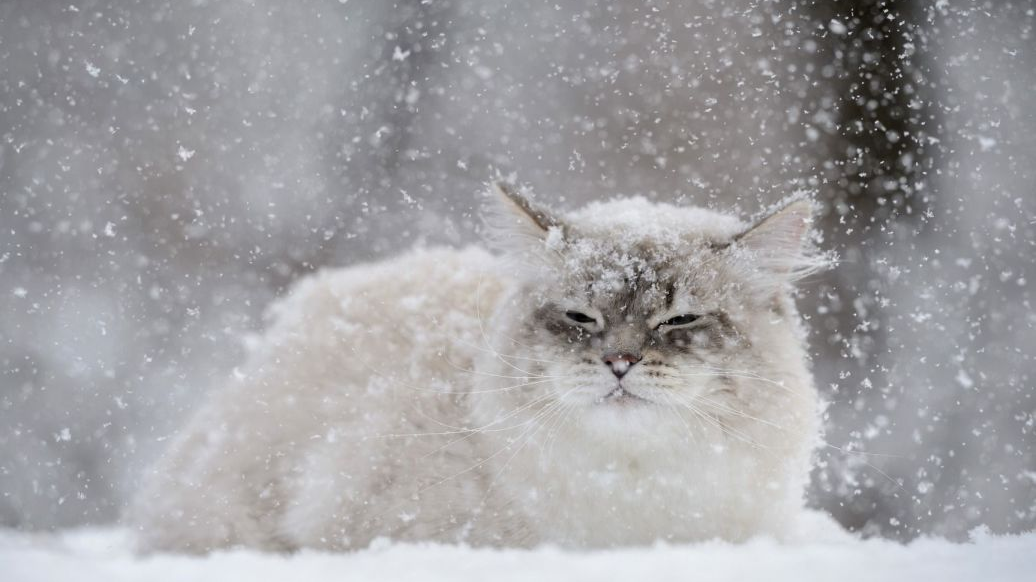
(105, 555)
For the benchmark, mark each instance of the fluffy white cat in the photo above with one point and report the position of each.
(626, 373)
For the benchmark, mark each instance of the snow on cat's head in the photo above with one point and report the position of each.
(629, 308)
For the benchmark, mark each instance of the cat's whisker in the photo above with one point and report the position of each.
(865, 453)
(481, 462)
(473, 430)
(743, 374)
(508, 388)
(873, 466)
(552, 436)
(482, 327)
(526, 375)
(414, 407)
(733, 411)
(473, 433)
(709, 372)
(541, 418)
(727, 372)
(675, 406)
(672, 409)
(555, 431)
(747, 373)
(477, 464)
(534, 421)
(718, 423)
(516, 411)
(539, 422)
(457, 430)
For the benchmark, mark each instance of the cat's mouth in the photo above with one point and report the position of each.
(621, 396)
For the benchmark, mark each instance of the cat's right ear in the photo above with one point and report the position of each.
(519, 226)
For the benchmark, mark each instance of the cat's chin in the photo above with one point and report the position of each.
(622, 409)
(617, 420)
(623, 398)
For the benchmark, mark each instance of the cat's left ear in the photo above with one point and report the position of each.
(517, 224)
(780, 242)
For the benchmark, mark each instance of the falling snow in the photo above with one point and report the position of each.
(169, 168)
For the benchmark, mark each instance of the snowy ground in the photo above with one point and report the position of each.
(104, 555)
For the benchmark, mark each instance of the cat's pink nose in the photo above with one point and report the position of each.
(620, 363)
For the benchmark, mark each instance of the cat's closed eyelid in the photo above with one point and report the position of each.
(684, 321)
(582, 317)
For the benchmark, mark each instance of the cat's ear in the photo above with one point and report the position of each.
(517, 224)
(779, 244)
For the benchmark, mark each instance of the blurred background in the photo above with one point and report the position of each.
(167, 168)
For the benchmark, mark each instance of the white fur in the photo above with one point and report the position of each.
(396, 400)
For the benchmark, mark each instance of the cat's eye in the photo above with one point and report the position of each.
(579, 317)
(684, 319)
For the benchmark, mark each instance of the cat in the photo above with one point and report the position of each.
(618, 375)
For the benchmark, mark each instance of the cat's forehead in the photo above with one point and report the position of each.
(633, 254)
(637, 222)
(606, 263)
(634, 244)
(632, 274)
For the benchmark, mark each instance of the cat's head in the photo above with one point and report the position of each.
(628, 308)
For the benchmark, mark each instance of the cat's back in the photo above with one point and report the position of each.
(400, 328)
(425, 298)
(352, 358)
